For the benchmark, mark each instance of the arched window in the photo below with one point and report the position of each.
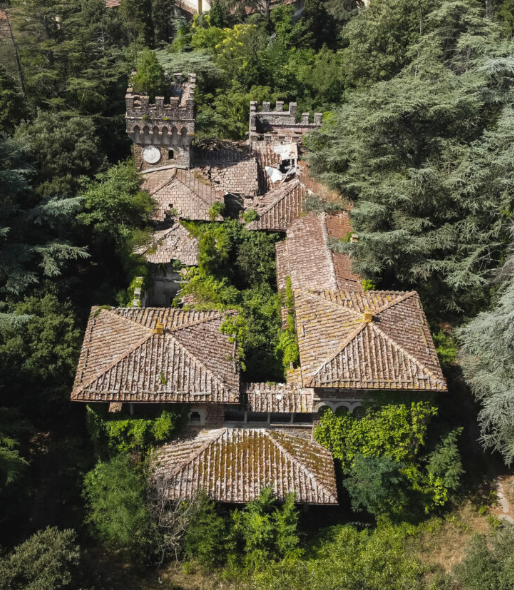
(342, 411)
(323, 408)
(174, 136)
(359, 411)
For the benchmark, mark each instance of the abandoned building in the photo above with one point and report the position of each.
(352, 343)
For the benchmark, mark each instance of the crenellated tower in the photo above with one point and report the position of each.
(163, 132)
(279, 126)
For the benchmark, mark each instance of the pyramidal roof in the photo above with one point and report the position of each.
(234, 464)
(190, 194)
(371, 340)
(173, 243)
(156, 355)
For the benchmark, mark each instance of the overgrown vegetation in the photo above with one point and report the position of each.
(417, 134)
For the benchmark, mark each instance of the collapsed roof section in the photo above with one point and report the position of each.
(156, 355)
(371, 340)
(172, 243)
(234, 464)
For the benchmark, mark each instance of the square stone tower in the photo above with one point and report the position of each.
(162, 132)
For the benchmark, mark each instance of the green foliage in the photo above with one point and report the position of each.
(123, 434)
(487, 564)
(396, 431)
(33, 231)
(48, 560)
(487, 360)
(245, 540)
(389, 469)
(149, 78)
(236, 270)
(250, 215)
(12, 464)
(42, 352)
(368, 285)
(216, 15)
(374, 484)
(114, 205)
(12, 106)
(117, 512)
(217, 209)
(206, 534)
(287, 344)
(366, 560)
(423, 153)
(446, 348)
(65, 147)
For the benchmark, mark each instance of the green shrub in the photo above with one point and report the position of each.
(46, 561)
(117, 513)
(122, 434)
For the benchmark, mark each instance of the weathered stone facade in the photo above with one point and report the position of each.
(169, 128)
(279, 126)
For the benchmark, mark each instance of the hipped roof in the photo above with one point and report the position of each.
(124, 359)
(340, 349)
(234, 464)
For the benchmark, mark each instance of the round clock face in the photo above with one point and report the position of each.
(151, 154)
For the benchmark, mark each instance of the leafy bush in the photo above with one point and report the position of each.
(117, 513)
(149, 78)
(124, 434)
(46, 561)
(346, 558)
(388, 468)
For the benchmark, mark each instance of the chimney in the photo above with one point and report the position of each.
(159, 327)
(367, 316)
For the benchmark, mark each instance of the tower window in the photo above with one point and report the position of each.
(171, 155)
(195, 417)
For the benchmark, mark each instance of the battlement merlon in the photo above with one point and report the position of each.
(181, 105)
(266, 120)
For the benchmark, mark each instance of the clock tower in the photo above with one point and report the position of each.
(163, 132)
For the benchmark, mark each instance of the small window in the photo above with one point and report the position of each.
(195, 417)
(171, 155)
(257, 417)
(342, 411)
(234, 416)
(302, 418)
(280, 418)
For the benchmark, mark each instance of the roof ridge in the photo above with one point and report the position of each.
(390, 304)
(194, 323)
(164, 183)
(331, 303)
(201, 363)
(194, 189)
(210, 439)
(407, 353)
(351, 336)
(297, 461)
(113, 363)
(324, 233)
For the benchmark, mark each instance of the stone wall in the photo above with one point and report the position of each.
(279, 122)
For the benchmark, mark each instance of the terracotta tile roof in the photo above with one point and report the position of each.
(340, 347)
(124, 359)
(278, 208)
(188, 193)
(276, 397)
(306, 257)
(239, 177)
(234, 464)
(173, 243)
